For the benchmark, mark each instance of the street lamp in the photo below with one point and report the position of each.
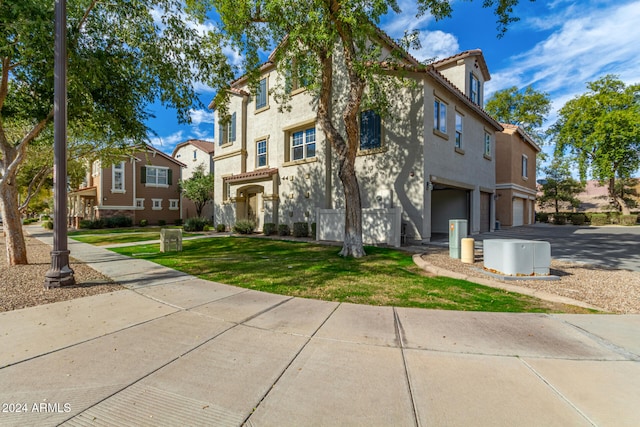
(60, 274)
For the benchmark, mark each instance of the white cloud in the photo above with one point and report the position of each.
(436, 44)
(201, 116)
(167, 143)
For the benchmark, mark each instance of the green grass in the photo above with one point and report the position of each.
(124, 235)
(384, 277)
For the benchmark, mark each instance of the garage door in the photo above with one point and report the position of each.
(518, 212)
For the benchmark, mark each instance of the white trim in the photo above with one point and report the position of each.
(113, 178)
(153, 204)
(172, 202)
(114, 207)
(141, 204)
(155, 184)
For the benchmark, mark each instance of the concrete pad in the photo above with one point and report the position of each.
(241, 306)
(38, 330)
(506, 334)
(224, 379)
(606, 392)
(85, 374)
(340, 384)
(472, 390)
(135, 273)
(189, 293)
(621, 330)
(297, 316)
(361, 324)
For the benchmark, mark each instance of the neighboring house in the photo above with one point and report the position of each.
(432, 156)
(194, 153)
(142, 186)
(516, 186)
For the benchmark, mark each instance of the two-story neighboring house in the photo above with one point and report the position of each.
(194, 153)
(432, 155)
(141, 186)
(515, 177)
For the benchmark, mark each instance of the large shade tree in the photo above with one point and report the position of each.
(122, 56)
(315, 33)
(601, 128)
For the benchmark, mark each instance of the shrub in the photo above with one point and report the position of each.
(143, 223)
(48, 225)
(195, 224)
(599, 219)
(28, 221)
(543, 217)
(313, 230)
(300, 229)
(178, 222)
(162, 222)
(206, 228)
(560, 219)
(614, 217)
(269, 228)
(628, 219)
(85, 223)
(283, 230)
(221, 228)
(244, 226)
(578, 219)
(118, 221)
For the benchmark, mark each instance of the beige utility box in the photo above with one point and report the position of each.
(170, 240)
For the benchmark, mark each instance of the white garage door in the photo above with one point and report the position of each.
(518, 212)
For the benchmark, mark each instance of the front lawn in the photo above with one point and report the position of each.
(384, 277)
(121, 235)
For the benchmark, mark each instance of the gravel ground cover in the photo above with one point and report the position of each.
(616, 291)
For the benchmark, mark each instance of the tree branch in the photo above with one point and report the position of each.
(86, 14)
(40, 179)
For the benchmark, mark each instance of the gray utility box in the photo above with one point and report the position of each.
(170, 240)
(457, 232)
(514, 257)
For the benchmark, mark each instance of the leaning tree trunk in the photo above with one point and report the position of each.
(12, 224)
(353, 244)
(618, 201)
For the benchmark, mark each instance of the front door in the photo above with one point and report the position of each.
(252, 207)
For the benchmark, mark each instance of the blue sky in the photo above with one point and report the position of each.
(556, 47)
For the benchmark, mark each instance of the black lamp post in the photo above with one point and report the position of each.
(60, 273)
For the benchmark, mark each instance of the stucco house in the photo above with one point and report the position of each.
(141, 186)
(516, 186)
(431, 159)
(193, 153)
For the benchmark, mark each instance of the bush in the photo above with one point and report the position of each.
(543, 217)
(28, 221)
(162, 222)
(578, 219)
(178, 222)
(143, 223)
(269, 228)
(195, 224)
(599, 219)
(85, 223)
(628, 219)
(313, 230)
(560, 219)
(221, 228)
(206, 228)
(300, 229)
(118, 222)
(244, 226)
(283, 230)
(48, 225)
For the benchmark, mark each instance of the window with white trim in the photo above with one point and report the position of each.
(525, 164)
(474, 88)
(227, 132)
(261, 153)
(157, 176)
(303, 144)
(440, 116)
(117, 175)
(487, 144)
(173, 204)
(156, 204)
(140, 203)
(262, 94)
(458, 131)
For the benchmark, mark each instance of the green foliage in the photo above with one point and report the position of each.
(300, 229)
(195, 224)
(178, 222)
(629, 219)
(28, 221)
(162, 222)
(542, 217)
(559, 186)
(269, 228)
(283, 230)
(118, 222)
(313, 230)
(143, 223)
(206, 228)
(599, 219)
(560, 219)
(578, 219)
(244, 226)
(527, 108)
(198, 188)
(48, 225)
(221, 228)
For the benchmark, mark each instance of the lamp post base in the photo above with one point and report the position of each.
(60, 273)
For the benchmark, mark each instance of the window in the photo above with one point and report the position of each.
(261, 94)
(525, 162)
(474, 89)
(303, 144)
(487, 144)
(95, 168)
(156, 176)
(227, 132)
(140, 203)
(195, 154)
(298, 76)
(440, 116)
(173, 204)
(117, 182)
(261, 153)
(370, 130)
(458, 131)
(156, 204)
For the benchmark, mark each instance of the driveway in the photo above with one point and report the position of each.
(609, 246)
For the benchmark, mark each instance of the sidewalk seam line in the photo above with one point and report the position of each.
(399, 336)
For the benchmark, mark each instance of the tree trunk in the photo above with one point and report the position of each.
(353, 244)
(12, 224)
(617, 200)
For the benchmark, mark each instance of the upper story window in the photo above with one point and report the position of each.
(261, 94)
(440, 116)
(525, 165)
(298, 76)
(474, 89)
(117, 181)
(487, 144)
(370, 130)
(95, 168)
(261, 153)
(458, 131)
(227, 132)
(195, 154)
(156, 176)
(303, 144)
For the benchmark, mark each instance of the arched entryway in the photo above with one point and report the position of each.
(250, 204)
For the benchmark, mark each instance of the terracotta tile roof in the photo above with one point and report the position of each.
(525, 136)
(206, 146)
(252, 176)
(467, 53)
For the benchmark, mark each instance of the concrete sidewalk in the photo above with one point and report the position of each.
(176, 350)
